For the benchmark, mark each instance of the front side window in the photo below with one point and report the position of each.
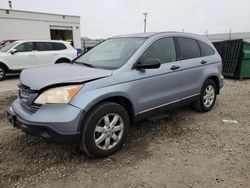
(111, 54)
(188, 48)
(162, 49)
(25, 47)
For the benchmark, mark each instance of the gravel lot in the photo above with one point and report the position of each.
(185, 149)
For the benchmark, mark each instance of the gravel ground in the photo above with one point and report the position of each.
(184, 149)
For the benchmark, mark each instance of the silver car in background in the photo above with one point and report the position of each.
(93, 100)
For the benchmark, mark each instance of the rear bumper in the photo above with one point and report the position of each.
(57, 123)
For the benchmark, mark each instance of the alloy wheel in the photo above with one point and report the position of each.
(209, 95)
(108, 131)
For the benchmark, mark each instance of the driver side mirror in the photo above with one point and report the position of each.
(148, 64)
(13, 51)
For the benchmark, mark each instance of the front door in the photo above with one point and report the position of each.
(23, 58)
(45, 53)
(157, 88)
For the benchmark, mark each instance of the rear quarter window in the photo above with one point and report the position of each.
(205, 49)
(58, 46)
(188, 48)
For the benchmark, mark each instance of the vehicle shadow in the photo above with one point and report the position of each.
(12, 76)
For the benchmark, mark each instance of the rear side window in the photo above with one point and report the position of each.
(188, 48)
(50, 46)
(205, 49)
(44, 46)
(162, 49)
(25, 47)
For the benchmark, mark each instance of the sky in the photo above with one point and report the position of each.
(106, 18)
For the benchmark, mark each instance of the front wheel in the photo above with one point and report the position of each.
(207, 97)
(2, 73)
(104, 129)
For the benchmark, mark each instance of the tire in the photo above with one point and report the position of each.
(62, 61)
(99, 138)
(207, 97)
(2, 73)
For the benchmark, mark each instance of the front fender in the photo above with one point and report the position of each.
(86, 100)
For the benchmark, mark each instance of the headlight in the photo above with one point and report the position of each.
(58, 95)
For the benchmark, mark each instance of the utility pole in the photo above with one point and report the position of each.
(206, 32)
(230, 34)
(10, 4)
(145, 21)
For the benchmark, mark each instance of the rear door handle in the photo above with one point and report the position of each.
(174, 67)
(203, 62)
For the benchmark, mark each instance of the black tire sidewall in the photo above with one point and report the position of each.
(4, 73)
(205, 85)
(60, 61)
(90, 122)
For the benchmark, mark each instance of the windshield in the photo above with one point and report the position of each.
(111, 54)
(7, 47)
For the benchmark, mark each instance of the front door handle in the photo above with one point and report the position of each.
(203, 62)
(174, 67)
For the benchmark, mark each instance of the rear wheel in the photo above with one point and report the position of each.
(207, 97)
(104, 129)
(2, 73)
(62, 61)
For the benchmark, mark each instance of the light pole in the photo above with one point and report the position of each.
(145, 21)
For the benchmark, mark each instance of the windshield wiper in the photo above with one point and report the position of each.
(86, 64)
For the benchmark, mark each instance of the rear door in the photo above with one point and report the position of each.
(156, 88)
(24, 57)
(189, 55)
(45, 53)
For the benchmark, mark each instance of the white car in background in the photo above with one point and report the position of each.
(20, 55)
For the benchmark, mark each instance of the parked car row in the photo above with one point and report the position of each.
(94, 100)
(20, 55)
(5, 43)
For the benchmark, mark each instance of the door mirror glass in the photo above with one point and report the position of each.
(149, 64)
(13, 51)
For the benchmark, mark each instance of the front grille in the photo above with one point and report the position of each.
(27, 97)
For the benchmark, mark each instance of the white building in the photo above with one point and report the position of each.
(16, 24)
(229, 36)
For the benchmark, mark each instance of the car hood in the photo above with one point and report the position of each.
(41, 77)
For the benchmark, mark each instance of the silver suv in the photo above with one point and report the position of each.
(93, 100)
